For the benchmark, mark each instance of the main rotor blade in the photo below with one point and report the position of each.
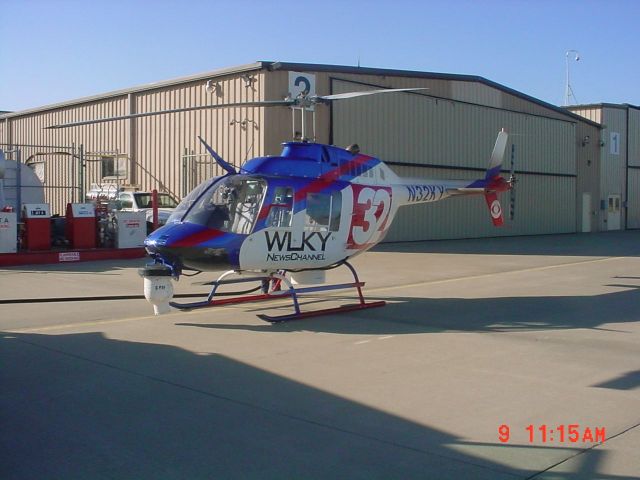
(344, 96)
(263, 103)
(266, 103)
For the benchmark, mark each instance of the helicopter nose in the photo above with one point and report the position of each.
(190, 246)
(157, 239)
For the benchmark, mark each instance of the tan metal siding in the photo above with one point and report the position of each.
(468, 217)
(4, 132)
(588, 169)
(279, 124)
(633, 184)
(411, 127)
(590, 113)
(476, 93)
(61, 172)
(634, 137)
(613, 167)
(160, 141)
(163, 139)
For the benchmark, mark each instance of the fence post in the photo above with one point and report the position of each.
(184, 173)
(154, 205)
(18, 185)
(81, 172)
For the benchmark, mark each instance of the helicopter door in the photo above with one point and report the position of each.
(281, 210)
(248, 198)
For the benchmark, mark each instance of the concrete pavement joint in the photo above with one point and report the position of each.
(581, 452)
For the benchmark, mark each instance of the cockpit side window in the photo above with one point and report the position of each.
(248, 199)
(231, 206)
(281, 210)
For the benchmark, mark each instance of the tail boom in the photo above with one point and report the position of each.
(412, 191)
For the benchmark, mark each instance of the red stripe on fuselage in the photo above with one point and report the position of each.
(322, 181)
(197, 238)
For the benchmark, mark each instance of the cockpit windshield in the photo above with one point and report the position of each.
(190, 199)
(231, 205)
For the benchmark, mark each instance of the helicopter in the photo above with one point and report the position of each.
(283, 221)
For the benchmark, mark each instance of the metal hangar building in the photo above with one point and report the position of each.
(447, 131)
(619, 163)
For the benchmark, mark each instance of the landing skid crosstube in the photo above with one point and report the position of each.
(272, 290)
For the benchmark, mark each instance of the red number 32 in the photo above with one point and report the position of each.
(371, 207)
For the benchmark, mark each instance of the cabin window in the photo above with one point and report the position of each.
(281, 210)
(323, 211)
(231, 205)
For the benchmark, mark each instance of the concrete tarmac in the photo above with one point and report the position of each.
(510, 358)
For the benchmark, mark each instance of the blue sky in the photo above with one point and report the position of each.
(57, 50)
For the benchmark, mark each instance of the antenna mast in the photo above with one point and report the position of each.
(568, 92)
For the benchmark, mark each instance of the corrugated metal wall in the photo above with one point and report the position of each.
(633, 212)
(61, 172)
(613, 166)
(412, 128)
(236, 133)
(279, 122)
(454, 125)
(159, 142)
(593, 113)
(588, 180)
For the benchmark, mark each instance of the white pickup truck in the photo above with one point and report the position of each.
(134, 201)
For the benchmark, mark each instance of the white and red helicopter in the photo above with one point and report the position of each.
(284, 220)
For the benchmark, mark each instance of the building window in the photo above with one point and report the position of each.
(114, 167)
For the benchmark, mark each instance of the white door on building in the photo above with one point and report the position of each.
(613, 212)
(586, 212)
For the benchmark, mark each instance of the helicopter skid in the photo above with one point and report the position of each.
(261, 297)
(325, 311)
(278, 280)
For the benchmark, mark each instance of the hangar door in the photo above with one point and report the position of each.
(633, 169)
(633, 203)
(422, 136)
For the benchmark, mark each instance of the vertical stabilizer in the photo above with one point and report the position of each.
(497, 156)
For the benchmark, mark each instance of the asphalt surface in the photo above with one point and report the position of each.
(534, 341)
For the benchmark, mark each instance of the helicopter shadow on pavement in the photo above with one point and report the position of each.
(410, 315)
(601, 244)
(87, 406)
(99, 267)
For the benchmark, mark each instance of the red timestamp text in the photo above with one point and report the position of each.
(565, 433)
